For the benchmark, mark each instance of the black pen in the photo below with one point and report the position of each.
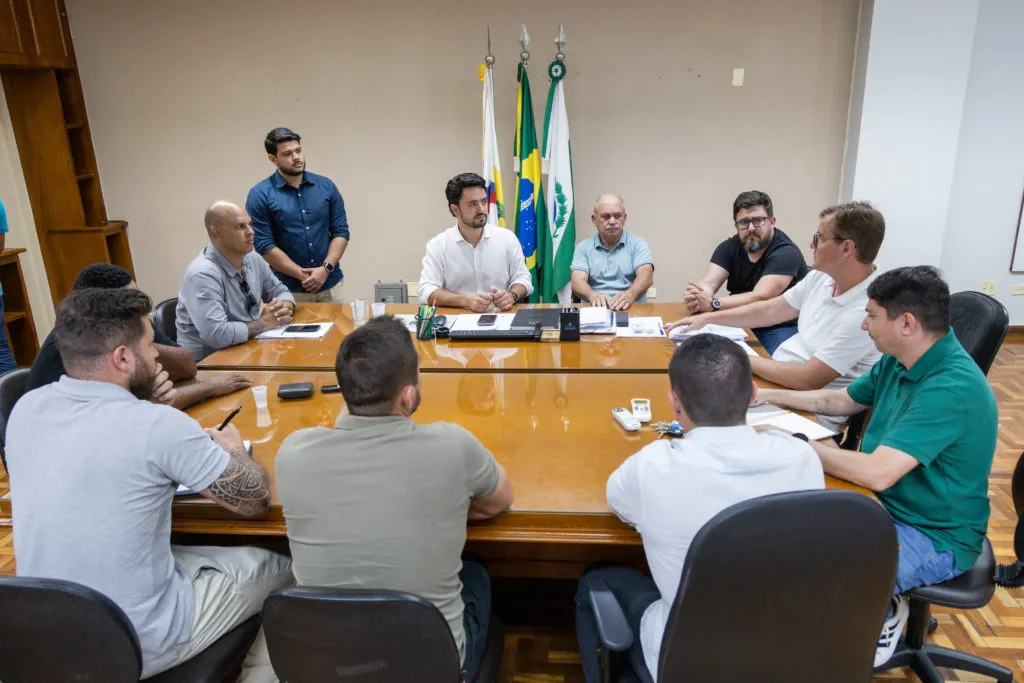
(229, 418)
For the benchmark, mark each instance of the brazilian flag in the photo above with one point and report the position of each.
(530, 215)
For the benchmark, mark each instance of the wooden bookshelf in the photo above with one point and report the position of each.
(21, 330)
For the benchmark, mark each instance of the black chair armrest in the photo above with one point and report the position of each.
(612, 627)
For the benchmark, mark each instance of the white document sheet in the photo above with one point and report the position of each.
(734, 333)
(767, 414)
(746, 347)
(651, 327)
(469, 321)
(280, 333)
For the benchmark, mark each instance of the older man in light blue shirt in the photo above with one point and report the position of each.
(612, 268)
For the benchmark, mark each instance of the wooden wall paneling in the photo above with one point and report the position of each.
(35, 33)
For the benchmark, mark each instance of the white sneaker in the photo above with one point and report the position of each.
(891, 630)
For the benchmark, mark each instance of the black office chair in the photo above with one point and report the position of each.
(783, 588)
(54, 630)
(12, 387)
(164, 315)
(366, 636)
(1012, 575)
(980, 324)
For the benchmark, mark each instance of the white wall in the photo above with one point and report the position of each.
(387, 98)
(989, 178)
(22, 231)
(905, 141)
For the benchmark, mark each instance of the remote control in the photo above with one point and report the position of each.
(626, 419)
(641, 409)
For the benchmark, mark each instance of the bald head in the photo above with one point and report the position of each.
(229, 228)
(609, 218)
(220, 213)
(609, 199)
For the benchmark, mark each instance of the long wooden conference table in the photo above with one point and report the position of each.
(542, 409)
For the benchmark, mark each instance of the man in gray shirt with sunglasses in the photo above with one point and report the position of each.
(219, 302)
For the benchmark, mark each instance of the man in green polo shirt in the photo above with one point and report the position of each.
(928, 448)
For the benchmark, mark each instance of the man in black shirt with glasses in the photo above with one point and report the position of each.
(219, 302)
(758, 263)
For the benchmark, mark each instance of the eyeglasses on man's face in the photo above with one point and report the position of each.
(818, 237)
(753, 221)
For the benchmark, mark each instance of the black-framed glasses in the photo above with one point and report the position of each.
(755, 221)
(818, 237)
(250, 300)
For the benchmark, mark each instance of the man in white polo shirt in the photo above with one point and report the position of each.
(471, 264)
(672, 487)
(829, 349)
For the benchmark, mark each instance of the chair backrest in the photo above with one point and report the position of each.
(360, 636)
(163, 317)
(12, 387)
(54, 630)
(980, 324)
(788, 587)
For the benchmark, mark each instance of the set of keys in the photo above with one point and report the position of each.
(641, 413)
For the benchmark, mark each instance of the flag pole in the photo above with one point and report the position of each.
(524, 40)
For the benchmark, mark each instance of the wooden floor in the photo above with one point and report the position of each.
(541, 644)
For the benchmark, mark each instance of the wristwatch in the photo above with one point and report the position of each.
(515, 297)
(329, 267)
(715, 304)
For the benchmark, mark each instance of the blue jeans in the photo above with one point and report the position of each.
(635, 592)
(7, 362)
(476, 616)
(919, 563)
(772, 339)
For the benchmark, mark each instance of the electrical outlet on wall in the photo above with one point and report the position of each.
(988, 287)
(413, 289)
(1018, 290)
(652, 293)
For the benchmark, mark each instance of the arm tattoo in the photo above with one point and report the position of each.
(243, 486)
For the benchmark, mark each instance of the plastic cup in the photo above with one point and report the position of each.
(360, 311)
(260, 395)
(379, 308)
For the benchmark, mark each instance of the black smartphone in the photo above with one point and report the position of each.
(330, 389)
(487, 320)
(302, 328)
(621, 319)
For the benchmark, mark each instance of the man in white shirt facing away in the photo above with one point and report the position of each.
(829, 349)
(472, 264)
(671, 488)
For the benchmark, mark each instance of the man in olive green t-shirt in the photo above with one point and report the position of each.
(927, 450)
(382, 502)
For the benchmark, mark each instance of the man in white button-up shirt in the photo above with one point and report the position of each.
(672, 487)
(473, 265)
(829, 349)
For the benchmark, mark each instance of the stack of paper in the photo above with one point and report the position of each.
(283, 331)
(597, 320)
(642, 327)
(734, 333)
(767, 414)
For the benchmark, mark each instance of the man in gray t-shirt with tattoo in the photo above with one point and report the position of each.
(382, 502)
(93, 469)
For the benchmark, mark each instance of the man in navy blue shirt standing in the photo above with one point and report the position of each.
(300, 222)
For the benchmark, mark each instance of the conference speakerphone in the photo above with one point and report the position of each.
(523, 333)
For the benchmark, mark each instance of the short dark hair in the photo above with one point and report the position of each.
(453, 191)
(917, 290)
(860, 222)
(375, 362)
(103, 276)
(748, 200)
(277, 136)
(93, 322)
(710, 375)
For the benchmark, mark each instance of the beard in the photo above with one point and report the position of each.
(298, 169)
(478, 221)
(141, 384)
(751, 246)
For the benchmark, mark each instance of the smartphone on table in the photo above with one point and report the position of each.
(302, 328)
(487, 320)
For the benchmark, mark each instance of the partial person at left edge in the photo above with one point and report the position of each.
(176, 363)
(300, 222)
(219, 304)
(7, 362)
